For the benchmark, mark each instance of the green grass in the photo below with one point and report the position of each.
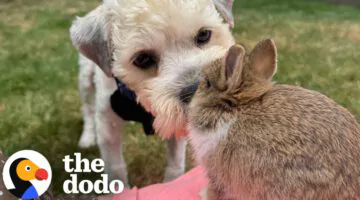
(39, 104)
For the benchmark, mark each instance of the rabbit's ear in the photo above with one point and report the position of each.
(263, 59)
(234, 64)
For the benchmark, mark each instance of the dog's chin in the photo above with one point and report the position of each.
(167, 125)
(170, 115)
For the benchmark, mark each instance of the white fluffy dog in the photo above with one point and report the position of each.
(156, 47)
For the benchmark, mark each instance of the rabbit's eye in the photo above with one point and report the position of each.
(208, 84)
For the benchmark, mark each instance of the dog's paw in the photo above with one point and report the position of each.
(171, 174)
(87, 140)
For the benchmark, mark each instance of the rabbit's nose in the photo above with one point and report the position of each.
(188, 92)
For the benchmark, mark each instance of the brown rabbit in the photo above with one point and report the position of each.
(265, 141)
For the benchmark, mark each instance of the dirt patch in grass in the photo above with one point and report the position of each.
(2, 107)
(351, 31)
(22, 22)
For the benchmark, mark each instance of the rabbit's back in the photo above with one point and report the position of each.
(291, 143)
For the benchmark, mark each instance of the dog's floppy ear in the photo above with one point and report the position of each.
(225, 9)
(90, 35)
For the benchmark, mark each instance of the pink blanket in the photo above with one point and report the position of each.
(186, 187)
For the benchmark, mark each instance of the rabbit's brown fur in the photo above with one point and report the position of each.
(283, 142)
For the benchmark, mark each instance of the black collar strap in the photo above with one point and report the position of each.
(124, 90)
(124, 104)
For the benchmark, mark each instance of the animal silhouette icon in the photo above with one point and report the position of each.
(22, 172)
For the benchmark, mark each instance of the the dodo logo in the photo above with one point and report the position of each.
(27, 174)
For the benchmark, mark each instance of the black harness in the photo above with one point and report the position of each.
(123, 102)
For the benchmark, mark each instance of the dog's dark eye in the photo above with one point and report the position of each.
(203, 37)
(145, 59)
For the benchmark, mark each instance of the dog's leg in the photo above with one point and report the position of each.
(109, 129)
(176, 159)
(87, 94)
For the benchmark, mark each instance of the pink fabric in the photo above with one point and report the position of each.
(186, 187)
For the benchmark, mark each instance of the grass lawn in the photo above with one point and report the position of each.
(318, 43)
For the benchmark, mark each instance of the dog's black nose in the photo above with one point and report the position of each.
(188, 92)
